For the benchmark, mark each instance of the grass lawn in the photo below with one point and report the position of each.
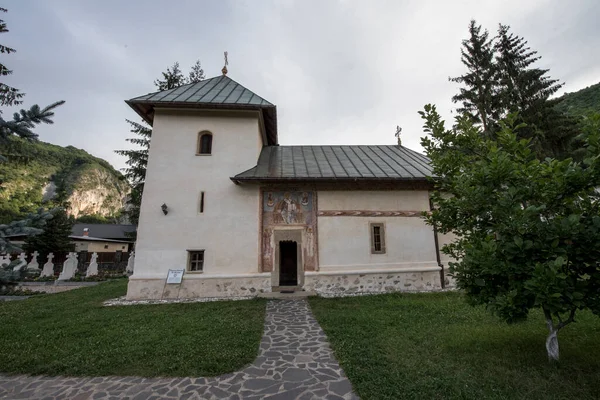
(435, 346)
(71, 333)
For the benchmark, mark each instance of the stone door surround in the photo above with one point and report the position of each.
(293, 234)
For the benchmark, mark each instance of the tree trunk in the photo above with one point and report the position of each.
(552, 341)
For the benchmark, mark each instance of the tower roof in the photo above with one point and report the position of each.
(220, 92)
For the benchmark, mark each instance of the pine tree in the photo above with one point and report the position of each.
(23, 122)
(501, 79)
(30, 225)
(136, 170)
(9, 96)
(526, 90)
(478, 96)
(172, 78)
(196, 73)
(55, 236)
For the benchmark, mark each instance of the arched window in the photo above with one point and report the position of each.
(204, 143)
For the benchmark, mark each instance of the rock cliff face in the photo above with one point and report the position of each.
(40, 174)
(98, 192)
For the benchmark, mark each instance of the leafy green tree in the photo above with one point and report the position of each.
(95, 219)
(54, 237)
(478, 96)
(527, 230)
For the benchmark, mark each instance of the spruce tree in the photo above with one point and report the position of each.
(478, 97)
(136, 170)
(9, 96)
(501, 79)
(23, 122)
(526, 90)
(196, 73)
(54, 237)
(172, 78)
(22, 125)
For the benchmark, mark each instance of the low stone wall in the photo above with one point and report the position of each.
(326, 283)
(194, 286)
(53, 286)
(364, 282)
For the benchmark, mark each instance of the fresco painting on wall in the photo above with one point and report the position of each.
(283, 208)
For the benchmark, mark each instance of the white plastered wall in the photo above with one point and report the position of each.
(228, 228)
(345, 241)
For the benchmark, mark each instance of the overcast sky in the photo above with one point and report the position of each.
(340, 72)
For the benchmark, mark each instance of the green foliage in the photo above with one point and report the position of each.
(477, 96)
(136, 171)
(434, 346)
(150, 340)
(196, 73)
(54, 238)
(501, 79)
(96, 219)
(582, 102)
(172, 78)
(24, 121)
(31, 224)
(31, 165)
(9, 96)
(527, 231)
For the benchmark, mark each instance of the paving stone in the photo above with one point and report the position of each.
(295, 361)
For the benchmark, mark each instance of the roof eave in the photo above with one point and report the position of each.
(145, 109)
(258, 180)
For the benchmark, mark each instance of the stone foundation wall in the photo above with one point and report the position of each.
(360, 282)
(197, 286)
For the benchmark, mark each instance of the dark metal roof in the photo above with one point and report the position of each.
(220, 92)
(320, 163)
(95, 239)
(104, 231)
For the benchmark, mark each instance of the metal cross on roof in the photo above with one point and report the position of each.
(224, 70)
(398, 133)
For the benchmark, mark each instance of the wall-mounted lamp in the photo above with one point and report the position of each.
(164, 209)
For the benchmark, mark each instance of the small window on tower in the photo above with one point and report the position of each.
(201, 205)
(204, 143)
(377, 238)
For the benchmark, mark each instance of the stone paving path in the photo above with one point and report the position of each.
(294, 362)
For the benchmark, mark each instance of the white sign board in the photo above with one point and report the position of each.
(175, 275)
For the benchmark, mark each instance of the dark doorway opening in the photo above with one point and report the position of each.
(288, 263)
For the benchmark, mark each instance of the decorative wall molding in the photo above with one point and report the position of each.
(368, 213)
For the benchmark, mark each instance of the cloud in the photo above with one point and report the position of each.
(339, 71)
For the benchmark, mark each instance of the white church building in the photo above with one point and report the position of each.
(243, 215)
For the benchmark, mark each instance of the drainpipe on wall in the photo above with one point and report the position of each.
(437, 251)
